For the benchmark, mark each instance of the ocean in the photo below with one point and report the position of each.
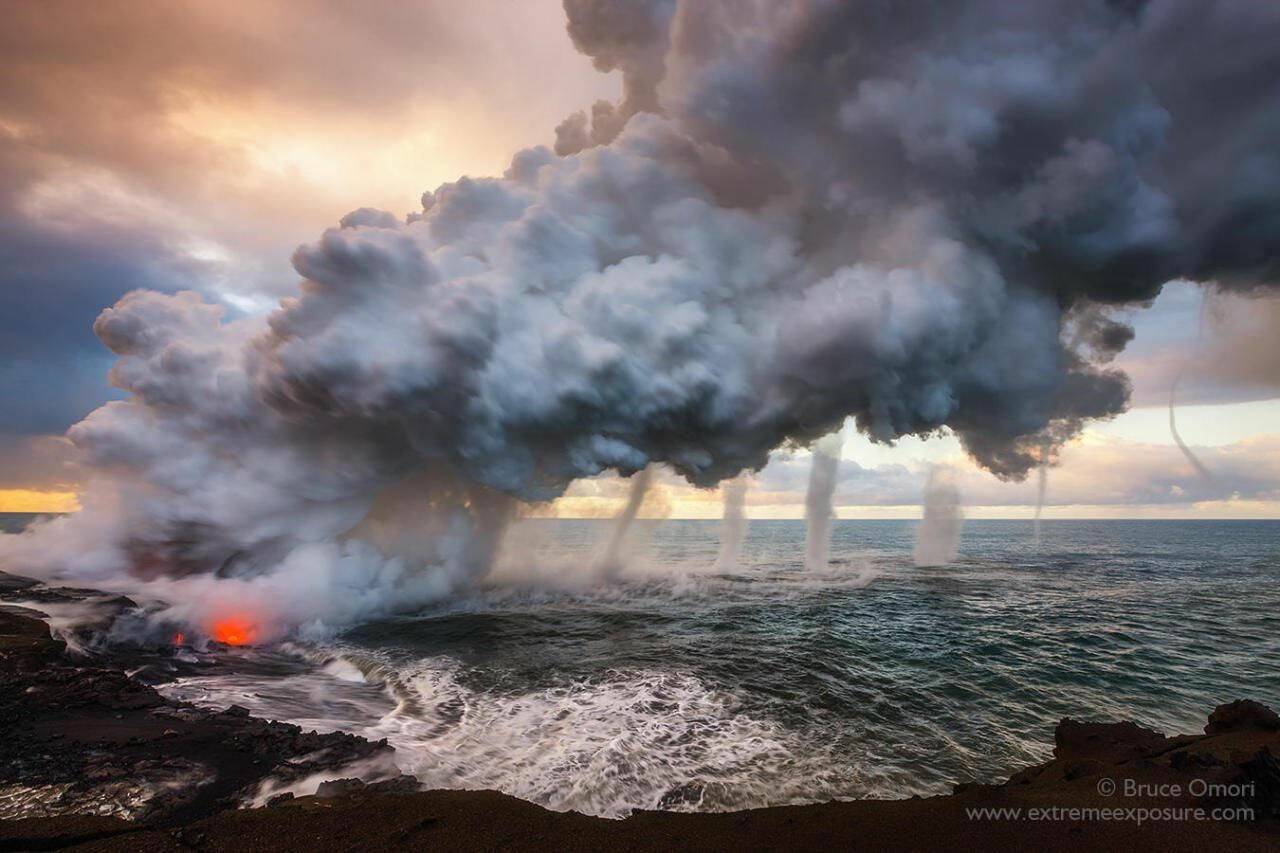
(681, 687)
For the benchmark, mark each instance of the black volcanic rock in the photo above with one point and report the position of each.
(1241, 715)
(84, 737)
(1080, 741)
(1261, 778)
(13, 583)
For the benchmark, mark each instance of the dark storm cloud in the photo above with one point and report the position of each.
(54, 278)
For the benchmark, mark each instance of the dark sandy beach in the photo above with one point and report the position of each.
(94, 759)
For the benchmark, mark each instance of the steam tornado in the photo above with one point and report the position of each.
(938, 536)
(818, 509)
(1042, 486)
(733, 527)
(1173, 394)
(609, 562)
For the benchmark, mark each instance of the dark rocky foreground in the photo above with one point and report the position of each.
(93, 759)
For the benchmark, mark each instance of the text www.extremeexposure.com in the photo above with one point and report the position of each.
(1137, 815)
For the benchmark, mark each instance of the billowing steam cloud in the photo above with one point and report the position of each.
(938, 535)
(819, 510)
(799, 212)
(733, 527)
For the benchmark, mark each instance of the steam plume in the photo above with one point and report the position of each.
(818, 509)
(938, 535)
(798, 213)
(733, 528)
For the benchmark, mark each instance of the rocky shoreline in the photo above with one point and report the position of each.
(86, 738)
(92, 758)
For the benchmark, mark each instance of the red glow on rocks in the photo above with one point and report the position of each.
(179, 639)
(234, 631)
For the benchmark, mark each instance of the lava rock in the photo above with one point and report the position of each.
(1241, 715)
(1262, 777)
(14, 583)
(338, 788)
(1083, 741)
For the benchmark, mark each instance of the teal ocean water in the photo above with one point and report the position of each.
(679, 686)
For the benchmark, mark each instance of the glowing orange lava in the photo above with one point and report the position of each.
(179, 639)
(234, 631)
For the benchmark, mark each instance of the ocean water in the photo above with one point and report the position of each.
(682, 687)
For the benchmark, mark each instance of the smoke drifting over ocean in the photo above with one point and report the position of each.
(797, 213)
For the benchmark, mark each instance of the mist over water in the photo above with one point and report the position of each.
(687, 688)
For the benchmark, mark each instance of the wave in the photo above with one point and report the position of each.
(604, 746)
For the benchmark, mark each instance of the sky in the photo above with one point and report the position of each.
(192, 146)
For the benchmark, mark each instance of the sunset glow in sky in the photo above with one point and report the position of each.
(193, 145)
